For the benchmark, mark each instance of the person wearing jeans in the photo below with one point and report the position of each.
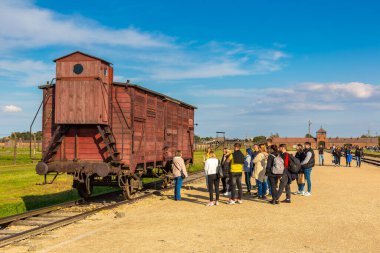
(358, 155)
(178, 168)
(235, 178)
(321, 156)
(307, 164)
(307, 173)
(236, 170)
(260, 162)
(177, 189)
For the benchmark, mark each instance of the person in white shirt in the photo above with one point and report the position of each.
(211, 172)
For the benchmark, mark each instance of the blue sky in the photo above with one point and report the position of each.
(251, 67)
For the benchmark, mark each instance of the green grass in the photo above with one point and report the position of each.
(20, 190)
(372, 153)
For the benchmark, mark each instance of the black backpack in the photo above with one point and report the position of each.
(294, 164)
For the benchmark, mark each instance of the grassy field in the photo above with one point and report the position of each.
(20, 188)
(372, 153)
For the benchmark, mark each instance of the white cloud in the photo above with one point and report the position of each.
(28, 26)
(154, 56)
(21, 72)
(302, 97)
(352, 89)
(11, 108)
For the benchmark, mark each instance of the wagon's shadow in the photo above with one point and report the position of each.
(32, 202)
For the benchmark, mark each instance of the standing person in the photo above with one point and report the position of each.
(321, 150)
(300, 155)
(274, 162)
(269, 143)
(248, 169)
(225, 163)
(211, 167)
(333, 150)
(307, 165)
(237, 162)
(348, 155)
(286, 178)
(359, 155)
(179, 171)
(338, 155)
(260, 162)
(254, 154)
(205, 157)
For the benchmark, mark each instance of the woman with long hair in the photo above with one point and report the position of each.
(260, 162)
(179, 173)
(211, 170)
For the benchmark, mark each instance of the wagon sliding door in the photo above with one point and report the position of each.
(171, 126)
(139, 128)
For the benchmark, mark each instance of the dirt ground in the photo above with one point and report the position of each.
(342, 215)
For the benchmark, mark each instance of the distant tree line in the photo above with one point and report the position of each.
(22, 136)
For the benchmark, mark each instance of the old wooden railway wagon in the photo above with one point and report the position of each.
(109, 133)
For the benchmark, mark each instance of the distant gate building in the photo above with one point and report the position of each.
(321, 138)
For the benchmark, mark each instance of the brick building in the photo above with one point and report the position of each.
(321, 138)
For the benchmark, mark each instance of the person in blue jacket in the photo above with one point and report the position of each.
(348, 156)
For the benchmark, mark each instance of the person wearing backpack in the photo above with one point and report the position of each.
(248, 169)
(236, 169)
(286, 178)
(307, 166)
(211, 170)
(274, 171)
(260, 162)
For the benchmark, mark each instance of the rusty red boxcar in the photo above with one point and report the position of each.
(109, 133)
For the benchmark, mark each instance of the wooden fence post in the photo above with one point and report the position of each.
(15, 149)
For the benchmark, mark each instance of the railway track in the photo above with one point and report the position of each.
(370, 161)
(21, 226)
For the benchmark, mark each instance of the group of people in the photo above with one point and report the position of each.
(272, 168)
(346, 151)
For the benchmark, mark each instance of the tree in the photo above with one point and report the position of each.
(309, 136)
(259, 139)
(274, 135)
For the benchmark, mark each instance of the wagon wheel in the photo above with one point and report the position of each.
(130, 191)
(167, 181)
(82, 190)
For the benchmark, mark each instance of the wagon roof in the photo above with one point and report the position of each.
(154, 92)
(79, 52)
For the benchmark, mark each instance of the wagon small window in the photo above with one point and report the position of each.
(105, 72)
(78, 69)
